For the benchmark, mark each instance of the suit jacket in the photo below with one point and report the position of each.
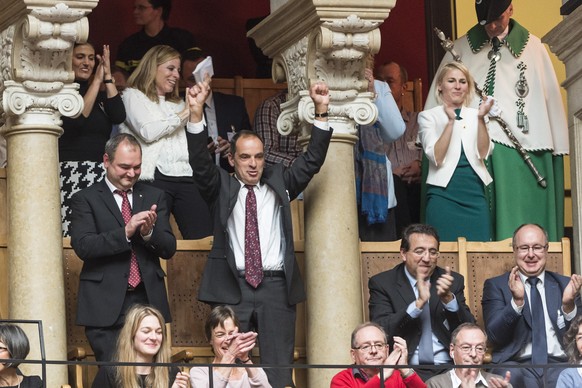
(431, 124)
(220, 278)
(444, 380)
(508, 331)
(390, 295)
(98, 238)
(231, 112)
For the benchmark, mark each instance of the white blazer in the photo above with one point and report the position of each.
(432, 123)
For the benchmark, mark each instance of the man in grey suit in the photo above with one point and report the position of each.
(120, 228)
(510, 313)
(419, 301)
(468, 347)
(263, 291)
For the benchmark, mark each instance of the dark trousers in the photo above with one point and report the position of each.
(186, 204)
(103, 340)
(407, 210)
(267, 311)
(385, 231)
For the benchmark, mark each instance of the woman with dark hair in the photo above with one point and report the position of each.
(143, 338)
(456, 142)
(14, 344)
(229, 347)
(83, 140)
(157, 116)
(572, 377)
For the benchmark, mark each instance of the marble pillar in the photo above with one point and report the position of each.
(311, 40)
(36, 85)
(565, 40)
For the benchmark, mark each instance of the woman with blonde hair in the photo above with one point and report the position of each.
(143, 339)
(456, 142)
(157, 117)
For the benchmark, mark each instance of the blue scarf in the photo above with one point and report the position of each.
(371, 175)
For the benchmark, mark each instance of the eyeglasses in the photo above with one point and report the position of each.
(536, 248)
(466, 349)
(432, 253)
(368, 347)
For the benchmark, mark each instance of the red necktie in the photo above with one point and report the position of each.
(253, 262)
(134, 276)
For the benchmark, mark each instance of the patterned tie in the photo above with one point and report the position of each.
(134, 276)
(539, 343)
(490, 79)
(253, 262)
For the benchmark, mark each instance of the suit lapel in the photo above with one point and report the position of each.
(404, 288)
(553, 298)
(138, 200)
(109, 201)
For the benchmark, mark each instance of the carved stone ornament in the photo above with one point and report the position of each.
(336, 54)
(38, 86)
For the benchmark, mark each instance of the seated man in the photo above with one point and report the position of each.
(370, 347)
(468, 346)
(419, 301)
(526, 324)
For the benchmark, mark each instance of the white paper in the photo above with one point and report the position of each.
(203, 68)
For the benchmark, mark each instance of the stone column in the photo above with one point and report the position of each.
(311, 40)
(565, 40)
(36, 88)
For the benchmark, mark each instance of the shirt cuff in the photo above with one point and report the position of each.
(453, 305)
(413, 311)
(568, 317)
(516, 308)
(196, 128)
(323, 125)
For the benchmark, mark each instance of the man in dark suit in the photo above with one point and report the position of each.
(225, 114)
(262, 293)
(508, 302)
(121, 257)
(420, 302)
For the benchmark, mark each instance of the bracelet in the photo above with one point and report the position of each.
(239, 361)
(108, 81)
(407, 374)
(322, 115)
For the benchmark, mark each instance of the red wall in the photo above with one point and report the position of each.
(219, 28)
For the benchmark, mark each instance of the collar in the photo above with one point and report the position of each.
(113, 188)
(457, 381)
(210, 101)
(360, 374)
(259, 187)
(516, 39)
(541, 276)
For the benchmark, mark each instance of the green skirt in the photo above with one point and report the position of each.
(516, 198)
(460, 209)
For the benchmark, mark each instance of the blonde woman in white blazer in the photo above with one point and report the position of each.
(456, 142)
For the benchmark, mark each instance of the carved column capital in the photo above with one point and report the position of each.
(311, 40)
(36, 80)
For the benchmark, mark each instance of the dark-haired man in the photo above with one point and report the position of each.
(119, 228)
(153, 16)
(419, 301)
(252, 265)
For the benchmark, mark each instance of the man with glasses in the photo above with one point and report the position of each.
(369, 353)
(419, 301)
(468, 347)
(528, 310)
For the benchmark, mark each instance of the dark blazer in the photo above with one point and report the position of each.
(508, 331)
(231, 112)
(98, 238)
(220, 189)
(390, 295)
